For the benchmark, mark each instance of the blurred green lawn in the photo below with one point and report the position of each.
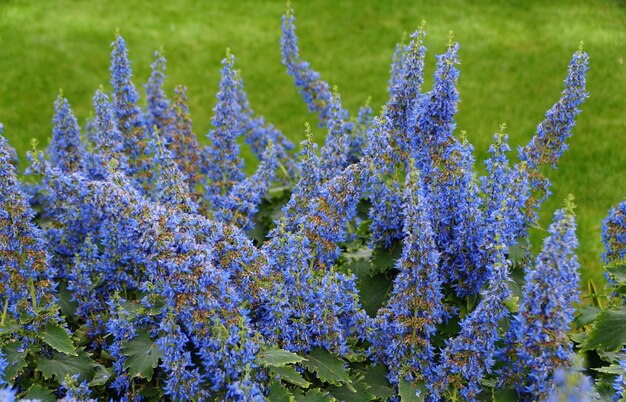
(514, 56)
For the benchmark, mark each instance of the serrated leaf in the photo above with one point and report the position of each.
(102, 375)
(504, 395)
(376, 378)
(40, 393)
(579, 338)
(327, 367)
(359, 392)
(290, 375)
(276, 357)
(64, 300)
(385, 259)
(314, 395)
(410, 393)
(617, 271)
(374, 291)
(16, 360)
(58, 339)
(143, 355)
(278, 392)
(612, 369)
(609, 331)
(62, 364)
(586, 315)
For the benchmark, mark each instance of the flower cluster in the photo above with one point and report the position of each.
(154, 268)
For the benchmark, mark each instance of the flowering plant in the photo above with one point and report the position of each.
(142, 265)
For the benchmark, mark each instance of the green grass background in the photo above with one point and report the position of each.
(514, 56)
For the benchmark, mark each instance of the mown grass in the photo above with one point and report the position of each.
(514, 57)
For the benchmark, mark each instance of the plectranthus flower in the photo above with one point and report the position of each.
(7, 394)
(242, 202)
(177, 359)
(75, 391)
(182, 141)
(504, 182)
(360, 127)
(169, 185)
(572, 386)
(459, 220)
(395, 71)
(330, 211)
(390, 143)
(308, 184)
(549, 143)
(158, 113)
(127, 112)
(3, 365)
(26, 279)
(65, 149)
(384, 192)
(334, 153)
(258, 134)
(107, 140)
(435, 115)
(315, 91)
(223, 166)
(614, 234)
(302, 308)
(153, 249)
(121, 327)
(407, 94)
(537, 340)
(619, 384)
(405, 326)
(470, 355)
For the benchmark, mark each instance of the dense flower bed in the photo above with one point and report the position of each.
(139, 264)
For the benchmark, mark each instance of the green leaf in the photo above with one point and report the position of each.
(61, 365)
(276, 357)
(102, 375)
(327, 367)
(617, 271)
(290, 375)
(143, 355)
(64, 296)
(58, 339)
(503, 395)
(376, 378)
(409, 393)
(612, 369)
(385, 259)
(314, 395)
(609, 331)
(374, 292)
(17, 360)
(278, 392)
(40, 393)
(586, 315)
(359, 391)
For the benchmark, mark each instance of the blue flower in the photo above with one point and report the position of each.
(614, 233)
(65, 149)
(315, 91)
(549, 143)
(125, 106)
(537, 340)
(242, 202)
(405, 327)
(159, 112)
(223, 166)
(24, 268)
